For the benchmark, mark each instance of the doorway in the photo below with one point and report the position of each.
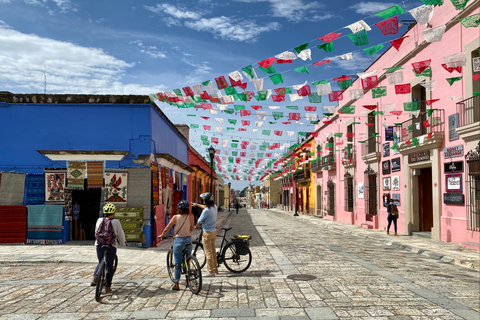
(89, 202)
(425, 205)
(319, 201)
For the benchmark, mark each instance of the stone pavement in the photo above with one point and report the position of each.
(440, 250)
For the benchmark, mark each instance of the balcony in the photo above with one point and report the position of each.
(348, 157)
(302, 176)
(421, 125)
(328, 162)
(371, 150)
(316, 166)
(469, 117)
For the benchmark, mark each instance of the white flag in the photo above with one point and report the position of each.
(356, 93)
(389, 107)
(212, 111)
(219, 120)
(434, 34)
(235, 75)
(363, 75)
(254, 130)
(294, 97)
(197, 89)
(329, 109)
(248, 76)
(286, 55)
(262, 115)
(324, 89)
(395, 78)
(218, 129)
(289, 133)
(422, 14)
(347, 56)
(430, 85)
(274, 107)
(456, 60)
(476, 64)
(358, 26)
(228, 99)
(259, 123)
(299, 86)
(311, 116)
(222, 107)
(225, 143)
(455, 98)
(258, 83)
(305, 54)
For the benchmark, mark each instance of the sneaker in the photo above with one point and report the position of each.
(209, 275)
(94, 282)
(108, 289)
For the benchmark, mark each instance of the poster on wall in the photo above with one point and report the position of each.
(453, 182)
(396, 183)
(386, 184)
(360, 190)
(386, 167)
(395, 164)
(386, 149)
(396, 199)
(54, 186)
(453, 120)
(116, 185)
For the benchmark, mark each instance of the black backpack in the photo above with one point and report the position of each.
(105, 234)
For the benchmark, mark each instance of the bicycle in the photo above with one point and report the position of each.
(234, 254)
(190, 267)
(101, 278)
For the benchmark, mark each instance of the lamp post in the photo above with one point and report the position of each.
(211, 152)
(229, 194)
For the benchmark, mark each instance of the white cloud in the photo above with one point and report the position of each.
(200, 68)
(174, 11)
(152, 51)
(293, 10)
(231, 29)
(358, 64)
(63, 5)
(371, 7)
(69, 68)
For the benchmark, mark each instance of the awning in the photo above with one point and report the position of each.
(83, 155)
(170, 162)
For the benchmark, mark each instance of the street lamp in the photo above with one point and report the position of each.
(229, 194)
(211, 152)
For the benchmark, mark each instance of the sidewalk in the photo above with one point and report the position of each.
(445, 251)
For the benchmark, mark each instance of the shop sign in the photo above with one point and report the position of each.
(452, 125)
(389, 133)
(452, 152)
(386, 149)
(453, 198)
(395, 164)
(386, 167)
(419, 156)
(453, 182)
(452, 167)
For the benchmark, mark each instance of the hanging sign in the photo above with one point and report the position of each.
(452, 152)
(419, 156)
(453, 120)
(395, 164)
(453, 198)
(453, 167)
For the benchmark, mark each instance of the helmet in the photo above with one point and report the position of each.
(109, 208)
(183, 204)
(207, 197)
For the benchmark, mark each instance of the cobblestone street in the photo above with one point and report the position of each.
(352, 277)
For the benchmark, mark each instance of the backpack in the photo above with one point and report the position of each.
(105, 234)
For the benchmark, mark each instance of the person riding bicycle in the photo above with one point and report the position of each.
(208, 222)
(183, 223)
(109, 213)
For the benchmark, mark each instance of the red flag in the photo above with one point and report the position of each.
(221, 82)
(288, 122)
(245, 122)
(237, 160)
(350, 135)
(243, 85)
(310, 108)
(215, 99)
(278, 132)
(280, 91)
(244, 146)
(398, 42)
(327, 122)
(304, 91)
(402, 88)
(369, 82)
(206, 118)
(397, 113)
(429, 136)
(314, 134)
(284, 61)
(426, 124)
(388, 26)
(205, 95)
(278, 98)
(319, 63)
(206, 106)
(235, 83)
(330, 37)
(206, 128)
(370, 107)
(370, 124)
(294, 116)
(244, 113)
(335, 96)
(214, 140)
(450, 69)
(429, 102)
(267, 62)
(243, 154)
(257, 107)
(342, 78)
(188, 91)
(268, 155)
(242, 129)
(421, 66)
(476, 77)
(173, 99)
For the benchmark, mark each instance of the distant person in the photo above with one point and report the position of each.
(392, 216)
(108, 228)
(183, 222)
(208, 222)
(237, 206)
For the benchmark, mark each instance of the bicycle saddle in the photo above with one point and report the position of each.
(226, 229)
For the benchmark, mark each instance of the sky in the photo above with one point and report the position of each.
(145, 47)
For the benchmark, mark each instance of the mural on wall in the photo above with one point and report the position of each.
(54, 186)
(116, 186)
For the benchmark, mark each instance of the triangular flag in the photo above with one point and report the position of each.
(434, 34)
(328, 47)
(277, 78)
(267, 62)
(387, 13)
(302, 69)
(429, 102)
(398, 42)
(453, 80)
(302, 47)
(374, 49)
(388, 26)
(330, 37)
(359, 38)
(420, 66)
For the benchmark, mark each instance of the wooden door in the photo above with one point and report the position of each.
(425, 200)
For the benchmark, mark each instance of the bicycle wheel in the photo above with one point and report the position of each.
(171, 265)
(235, 262)
(100, 281)
(199, 253)
(194, 275)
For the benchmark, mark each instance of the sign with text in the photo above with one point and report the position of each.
(386, 167)
(452, 167)
(453, 198)
(395, 164)
(453, 182)
(386, 149)
(419, 156)
(452, 125)
(452, 152)
(389, 133)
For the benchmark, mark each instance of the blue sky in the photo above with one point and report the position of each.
(143, 47)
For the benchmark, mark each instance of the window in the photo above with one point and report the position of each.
(419, 95)
(371, 193)
(331, 197)
(348, 192)
(371, 142)
(473, 163)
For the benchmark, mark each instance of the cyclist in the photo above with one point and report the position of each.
(183, 223)
(109, 213)
(208, 222)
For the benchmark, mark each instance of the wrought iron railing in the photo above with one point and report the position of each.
(426, 122)
(469, 111)
(371, 145)
(348, 155)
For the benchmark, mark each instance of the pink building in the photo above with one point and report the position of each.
(419, 143)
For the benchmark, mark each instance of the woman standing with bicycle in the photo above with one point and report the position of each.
(183, 223)
(208, 222)
(108, 233)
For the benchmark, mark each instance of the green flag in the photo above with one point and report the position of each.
(359, 38)
(314, 98)
(459, 4)
(259, 155)
(390, 12)
(230, 90)
(230, 159)
(433, 2)
(292, 107)
(319, 82)
(328, 47)
(238, 107)
(302, 69)
(301, 133)
(453, 80)
(229, 111)
(234, 145)
(249, 71)
(232, 121)
(301, 47)
(191, 115)
(204, 138)
(234, 153)
(261, 95)
(393, 69)
(270, 69)
(178, 92)
(348, 110)
(373, 49)
(242, 97)
(410, 106)
(230, 128)
(205, 83)
(471, 22)
(426, 73)
(378, 112)
(379, 92)
(345, 84)
(277, 115)
(338, 134)
(266, 132)
(430, 112)
(277, 78)
(193, 126)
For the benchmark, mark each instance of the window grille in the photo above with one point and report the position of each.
(473, 205)
(331, 197)
(370, 193)
(348, 192)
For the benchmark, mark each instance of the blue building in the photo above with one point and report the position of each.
(83, 145)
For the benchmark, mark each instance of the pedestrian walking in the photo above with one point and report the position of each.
(208, 222)
(108, 234)
(237, 206)
(183, 222)
(392, 216)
